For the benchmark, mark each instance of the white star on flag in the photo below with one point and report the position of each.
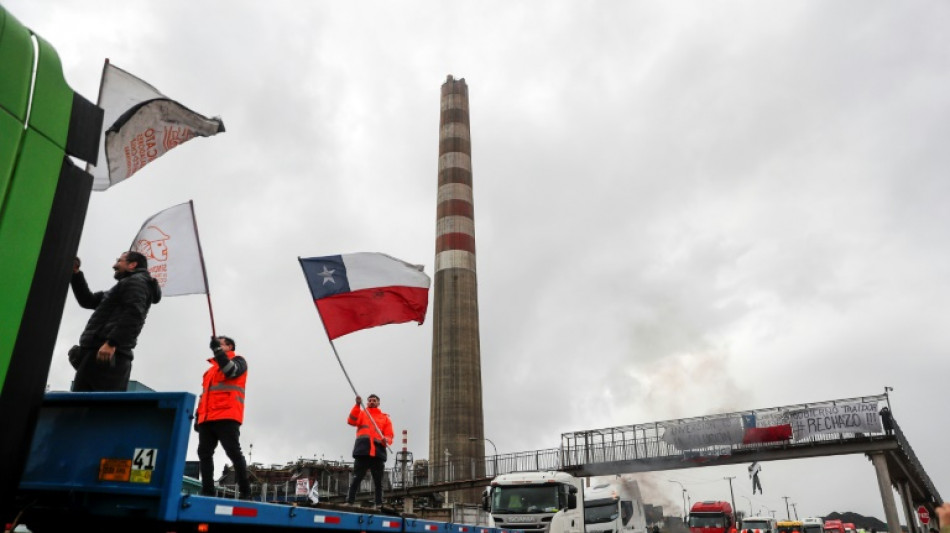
(327, 275)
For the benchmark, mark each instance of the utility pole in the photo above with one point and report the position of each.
(732, 496)
(684, 496)
(795, 508)
(788, 513)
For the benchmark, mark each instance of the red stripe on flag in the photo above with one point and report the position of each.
(767, 434)
(367, 308)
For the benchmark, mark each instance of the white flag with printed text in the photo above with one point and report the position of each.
(139, 125)
(169, 240)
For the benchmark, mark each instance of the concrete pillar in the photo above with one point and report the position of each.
(456, 425)
(907, 507)
(887, 494)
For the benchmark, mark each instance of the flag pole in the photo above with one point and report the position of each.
(102, 79)
(340, 362)
(204, 271)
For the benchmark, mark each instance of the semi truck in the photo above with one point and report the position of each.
(812, 525)
(759, 524)
(529, 501)
(790, 526)
(834, 526)
(614, 507)
(711, 517)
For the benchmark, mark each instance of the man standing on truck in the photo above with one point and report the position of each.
(374, 431)
(103, 360)
(220, 414)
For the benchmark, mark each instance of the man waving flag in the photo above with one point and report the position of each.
(364, 290)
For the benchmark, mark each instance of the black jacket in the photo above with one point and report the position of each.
(119, 312)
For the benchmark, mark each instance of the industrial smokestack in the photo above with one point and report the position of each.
(456, 423)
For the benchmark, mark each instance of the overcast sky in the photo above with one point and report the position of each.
(681, 208)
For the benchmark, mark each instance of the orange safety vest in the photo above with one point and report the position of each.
(222, 398)
(365, 430)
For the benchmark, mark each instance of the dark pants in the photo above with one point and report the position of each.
(228, 433)
(376, 466)
(93, 376)
(756, 484)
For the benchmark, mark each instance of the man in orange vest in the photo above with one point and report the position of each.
(374, 431)
(220, 414)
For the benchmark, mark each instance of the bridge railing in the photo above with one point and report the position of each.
(454, 470)
(649, 441)
(914, 462)
(609, 445)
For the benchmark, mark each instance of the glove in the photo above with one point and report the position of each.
(215, 345)
(75, 356)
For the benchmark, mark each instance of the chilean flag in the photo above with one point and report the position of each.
(758, 434)
(364, 290)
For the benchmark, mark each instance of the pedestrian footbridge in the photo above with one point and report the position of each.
(835, 427)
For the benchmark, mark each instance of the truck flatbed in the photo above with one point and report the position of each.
(115, 462)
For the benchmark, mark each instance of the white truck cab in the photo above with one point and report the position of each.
(813, 525)
(533, 501)
(614, 507)
(759, 524)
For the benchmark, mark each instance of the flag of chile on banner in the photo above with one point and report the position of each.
(769, 429)
(363, 290)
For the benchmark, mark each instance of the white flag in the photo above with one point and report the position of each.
(139, 125)
(314, 495)
(169, 240)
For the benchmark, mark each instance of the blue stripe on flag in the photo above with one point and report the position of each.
(326, 276)
(748, 421)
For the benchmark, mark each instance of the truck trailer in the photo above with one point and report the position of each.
(114, 462)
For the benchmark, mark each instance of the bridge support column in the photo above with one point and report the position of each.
(887, 494)
(407, 504)
(910, 513)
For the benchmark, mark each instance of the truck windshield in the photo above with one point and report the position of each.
(600, 511)
(755, 524)
(707, 520)
(812, 528)
(524, 499)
